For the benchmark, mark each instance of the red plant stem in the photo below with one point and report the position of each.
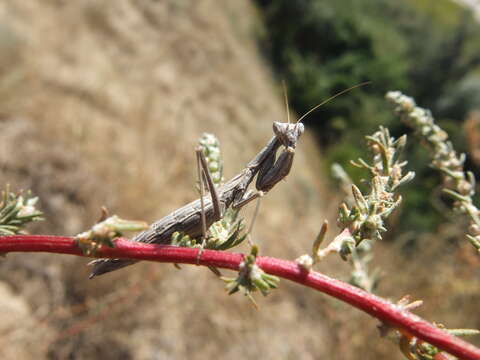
(383, 310)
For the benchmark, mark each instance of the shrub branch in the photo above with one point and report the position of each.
(388, 313)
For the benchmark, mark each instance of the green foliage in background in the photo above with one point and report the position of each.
(429, 49)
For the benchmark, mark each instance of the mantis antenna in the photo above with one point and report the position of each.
(285, 95)
(331, 98)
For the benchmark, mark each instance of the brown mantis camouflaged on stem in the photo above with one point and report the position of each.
(191, 220)
(194, 218)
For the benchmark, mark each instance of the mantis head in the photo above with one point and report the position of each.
(288, 133)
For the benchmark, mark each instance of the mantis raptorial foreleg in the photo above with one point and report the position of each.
(270, 168)
(273, 170)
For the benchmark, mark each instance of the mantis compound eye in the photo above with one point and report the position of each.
(300, 129)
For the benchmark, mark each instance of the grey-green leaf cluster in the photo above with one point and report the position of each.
(104, 231)
(17, 210)
(251, 278)
(365, 218)
(458, 183)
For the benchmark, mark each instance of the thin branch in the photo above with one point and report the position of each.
(379, 308)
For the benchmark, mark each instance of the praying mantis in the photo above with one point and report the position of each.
(196, 217)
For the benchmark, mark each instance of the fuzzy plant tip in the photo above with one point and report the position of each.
(104, 231)
(17, 210)
(211, 150)
(458, 183)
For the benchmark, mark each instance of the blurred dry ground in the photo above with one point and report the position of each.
(101, 103)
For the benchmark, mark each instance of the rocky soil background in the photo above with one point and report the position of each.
(102, 103)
